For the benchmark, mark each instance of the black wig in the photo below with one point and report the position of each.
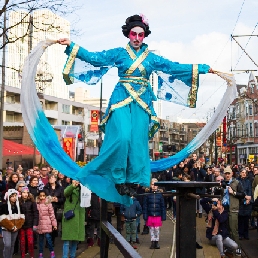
(134, 21)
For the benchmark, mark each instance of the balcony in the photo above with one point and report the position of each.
(163, 139)
(173, 131)
(163, 128)
(182, 132)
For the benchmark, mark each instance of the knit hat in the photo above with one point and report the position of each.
(25, 188)
(227, 170)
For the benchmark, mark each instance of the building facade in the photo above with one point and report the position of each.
(242, 124)
(42, 24)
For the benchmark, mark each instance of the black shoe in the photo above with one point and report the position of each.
(137, 240)
(157, 245)
(200, 215)
(145, 230)
(198, 246)
(240, 238)
(247, 238)
(152, 245)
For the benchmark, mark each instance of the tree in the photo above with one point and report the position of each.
(59, 7)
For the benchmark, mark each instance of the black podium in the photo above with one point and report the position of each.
(185, 214)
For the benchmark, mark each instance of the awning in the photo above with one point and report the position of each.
(11, 148)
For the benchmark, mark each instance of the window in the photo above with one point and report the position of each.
(250, 110)
(251, 130)
(256, 129)
(66, 109)
(65, 122)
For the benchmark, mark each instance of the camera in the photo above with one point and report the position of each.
(215, 203)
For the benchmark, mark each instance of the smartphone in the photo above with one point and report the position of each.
(215, 203)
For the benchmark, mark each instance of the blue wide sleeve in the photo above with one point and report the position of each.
(97, 59)
(166, 66)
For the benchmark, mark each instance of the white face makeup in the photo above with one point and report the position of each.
(136, 37)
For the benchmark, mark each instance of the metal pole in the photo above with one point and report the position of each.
(2, 95)
(215, 147)
(104, 239)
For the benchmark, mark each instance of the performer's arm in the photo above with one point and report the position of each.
(104, 58)
(166, 66)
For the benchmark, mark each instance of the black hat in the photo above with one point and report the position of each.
(134, 21)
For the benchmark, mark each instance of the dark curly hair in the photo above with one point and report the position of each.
(134, 21)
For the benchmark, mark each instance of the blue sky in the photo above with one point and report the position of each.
(185, 31)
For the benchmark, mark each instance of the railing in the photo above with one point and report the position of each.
(108, 231)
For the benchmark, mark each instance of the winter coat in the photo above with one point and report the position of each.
(245, 209)
(94, 209)
(9, 221)
(221, 217)
(2, 189)
(57, 192)
(30, 210)
(33, 190)
(132, 212)
(47, 218)
(154, 205)
(74, 228)
(234, 201)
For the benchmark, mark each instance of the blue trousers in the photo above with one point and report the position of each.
(69, 246)
(49, 242)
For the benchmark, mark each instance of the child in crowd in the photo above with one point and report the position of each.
(11, 221)
(29, 209)
(131, 213)
(154, 212)
(47, 222)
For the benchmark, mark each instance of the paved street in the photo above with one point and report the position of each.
(167, 244)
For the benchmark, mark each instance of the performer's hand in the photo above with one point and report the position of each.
(210, 71)
(64, 41)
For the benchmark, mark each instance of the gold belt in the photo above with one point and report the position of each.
(134, 79)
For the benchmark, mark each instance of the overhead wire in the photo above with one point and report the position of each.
(230, 38)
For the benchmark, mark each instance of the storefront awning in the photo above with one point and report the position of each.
(11, 148)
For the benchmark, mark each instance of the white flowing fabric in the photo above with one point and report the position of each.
(45, 138)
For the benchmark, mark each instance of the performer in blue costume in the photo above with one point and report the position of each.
(130, 120)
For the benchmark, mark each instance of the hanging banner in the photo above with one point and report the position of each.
(94, 124)
(68, 146)
(218, 140)
(225, 131)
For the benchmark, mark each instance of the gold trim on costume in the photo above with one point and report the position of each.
(69, 64)
(137, 61)
(192, 96)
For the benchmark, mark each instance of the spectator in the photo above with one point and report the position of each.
(40, 183)
(217, 227)
(255, 179)
(61, 180)
(57, 193)
(93, 220)
(131, 213)
(19, 186)
(245, 207)
(44, 175)
(154, 212)
(9, 171)
(11, 223)
(72, 237)
(233, 193)
(29, 209)
(47, 222)
(29, 174)
(12, 181)
(33, 186)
